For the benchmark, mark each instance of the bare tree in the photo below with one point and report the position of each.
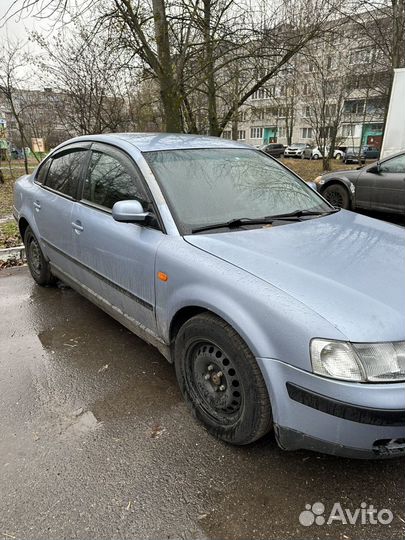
(190, 45)
(89, 78)
(380, 24)
(327, 86)
(11, 64)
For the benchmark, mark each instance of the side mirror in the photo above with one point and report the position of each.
(129, 212)
(375, 169)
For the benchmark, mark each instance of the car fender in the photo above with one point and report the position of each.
(346, 182)
(24, 189)
(271, 322)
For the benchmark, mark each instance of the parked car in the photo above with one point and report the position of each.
(296, 150)
(316, 153)
(278, 311)
(273, 149)
(371, 152)
(354, 155)
(339, 152)
(378, 186)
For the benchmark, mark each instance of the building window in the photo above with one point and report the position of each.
(256, 132)
(347, 130)
(354, 106)
(282, 111)
(361, 56)
(226, 134)
(243, 115)
(259, 94)
(330, 110)
(307, 111)
(326, 132)
(241, 135)
(375, 106)
(260, 114)
(282, 131)
(306, 133)
(282, 90)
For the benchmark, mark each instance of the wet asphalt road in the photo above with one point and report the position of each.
(96, 443)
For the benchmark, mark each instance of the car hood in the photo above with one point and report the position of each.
(351, 174)
(346, 267)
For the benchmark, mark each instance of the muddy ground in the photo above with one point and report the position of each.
(96, 443)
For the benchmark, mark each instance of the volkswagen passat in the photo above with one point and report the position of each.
(279, 311)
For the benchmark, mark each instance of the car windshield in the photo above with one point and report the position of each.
(204, 187)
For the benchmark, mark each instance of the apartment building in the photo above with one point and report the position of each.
(337, 90)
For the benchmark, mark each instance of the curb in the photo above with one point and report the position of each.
(17, 252)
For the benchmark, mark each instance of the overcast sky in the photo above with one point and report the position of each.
(20, 27)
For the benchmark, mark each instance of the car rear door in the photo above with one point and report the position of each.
(57, 184)
(117, 260)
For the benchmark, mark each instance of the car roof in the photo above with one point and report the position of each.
(148, 142)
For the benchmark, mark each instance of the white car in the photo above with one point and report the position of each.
(316, 153)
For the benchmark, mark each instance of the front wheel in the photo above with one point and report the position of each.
(37, 263)
(338, 156)
(337, 195)
(221, 381)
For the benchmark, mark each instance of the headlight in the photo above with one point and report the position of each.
(319, 180)
(361, 362)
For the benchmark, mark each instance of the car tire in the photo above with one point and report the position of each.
(337, 195)
(37, 263)
(338, 157)
(315, 156)
(220, 380)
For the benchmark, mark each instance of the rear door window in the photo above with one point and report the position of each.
(42, 172)
(65, 172)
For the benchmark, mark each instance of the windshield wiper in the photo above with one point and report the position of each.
(302, 213)
(296, 215)
(232, 223)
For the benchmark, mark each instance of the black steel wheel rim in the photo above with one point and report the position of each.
(335, 198)
(213, 382)
(34, 252)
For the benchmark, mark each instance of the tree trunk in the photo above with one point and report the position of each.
(169, 89)
(235, 125)
(213, 127)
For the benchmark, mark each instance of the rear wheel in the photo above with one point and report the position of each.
(338, 156)
(337, 195)
(37, 263)
(221, 381)
(315, 156)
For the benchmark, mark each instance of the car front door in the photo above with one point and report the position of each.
(117, 259)
(56, 189)
(389, 189)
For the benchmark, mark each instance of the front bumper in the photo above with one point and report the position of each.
(293, 154)
(335, 417)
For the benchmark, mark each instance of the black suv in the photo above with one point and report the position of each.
(273, 149)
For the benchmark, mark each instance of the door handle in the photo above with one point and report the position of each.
(77, 226)
(37, 206)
